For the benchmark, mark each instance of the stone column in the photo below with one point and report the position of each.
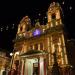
(39, 65)
(48, 42)
(26, 67)
(41, 61)
(64, 50)
(38, 46)
(22, 67)
(45, 67)
(33, 47)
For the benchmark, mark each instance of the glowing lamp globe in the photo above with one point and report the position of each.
(36, 32)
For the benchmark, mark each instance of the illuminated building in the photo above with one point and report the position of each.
(37, 45)
(4, 61)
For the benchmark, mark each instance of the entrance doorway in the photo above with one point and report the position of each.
(31, 67)
(35, 68)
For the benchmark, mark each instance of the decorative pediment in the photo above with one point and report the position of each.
(33, 52)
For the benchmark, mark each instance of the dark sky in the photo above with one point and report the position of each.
(11, 12)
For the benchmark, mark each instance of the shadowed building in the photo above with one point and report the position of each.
(37, 45)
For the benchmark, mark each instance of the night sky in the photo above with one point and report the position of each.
(12, 12)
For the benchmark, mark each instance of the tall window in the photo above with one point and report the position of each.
(36, 46)
(31, 47)
(21, 29)
(54, 19)
(41, 46)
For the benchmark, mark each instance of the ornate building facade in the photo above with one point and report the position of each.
(37, 45)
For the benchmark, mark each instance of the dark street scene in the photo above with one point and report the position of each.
(37, 37)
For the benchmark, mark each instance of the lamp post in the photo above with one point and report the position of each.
(11, 54)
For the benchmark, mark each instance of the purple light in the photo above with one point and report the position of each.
(36, 32)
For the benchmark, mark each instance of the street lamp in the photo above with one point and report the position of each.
(11, 54)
